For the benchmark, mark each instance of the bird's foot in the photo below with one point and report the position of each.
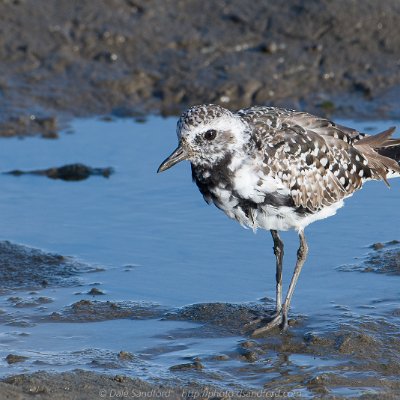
(278, 319)
(275, 321)
(263, 318)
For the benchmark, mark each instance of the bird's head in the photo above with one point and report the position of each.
(206, 134)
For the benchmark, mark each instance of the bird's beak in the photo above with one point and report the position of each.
(178, 155)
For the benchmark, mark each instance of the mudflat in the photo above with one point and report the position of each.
(126, 58)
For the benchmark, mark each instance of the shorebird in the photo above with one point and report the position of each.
(278, 170)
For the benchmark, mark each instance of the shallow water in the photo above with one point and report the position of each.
(159, 242)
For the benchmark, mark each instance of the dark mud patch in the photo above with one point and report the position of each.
(89, 358)
(16, 319)
(88, 385)
(220, 318)
(129, 57)
(69, 172)
(23, 267)
(360, 357)
(367, 354)
(384, 260)
(94, 311)
(380, 245)
(32, 301)
(373, 343)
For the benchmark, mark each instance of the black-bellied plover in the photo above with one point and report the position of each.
(278, 170)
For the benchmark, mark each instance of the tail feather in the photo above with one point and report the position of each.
(382, 153)
(380, 140)
(392, 152)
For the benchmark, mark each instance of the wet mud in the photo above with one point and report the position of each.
(354, 355)
(361, 356)
(385, 259)
(127, 58)
(69, 172)
(27, 268)
(220, 318)
(88, 385)
(90, 311)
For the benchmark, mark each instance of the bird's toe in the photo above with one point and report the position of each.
(272, 323)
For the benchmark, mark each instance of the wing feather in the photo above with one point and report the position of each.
(318, 169)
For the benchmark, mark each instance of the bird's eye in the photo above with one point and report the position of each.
(210, 134)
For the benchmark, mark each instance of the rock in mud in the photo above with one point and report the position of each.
(377, 246)
(95, 292)
(23, 267)
(15, 358)
(195, 365)
(125, 355)
(248, 355)
(69, 172)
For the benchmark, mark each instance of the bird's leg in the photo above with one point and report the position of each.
(301, 258)
(277, 316)
(281, 319)
(278, 251)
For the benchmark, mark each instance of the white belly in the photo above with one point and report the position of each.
(285, 218)
(269, 217)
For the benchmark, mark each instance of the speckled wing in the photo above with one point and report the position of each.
(323, 126)
(319, 170)
(275, 118)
